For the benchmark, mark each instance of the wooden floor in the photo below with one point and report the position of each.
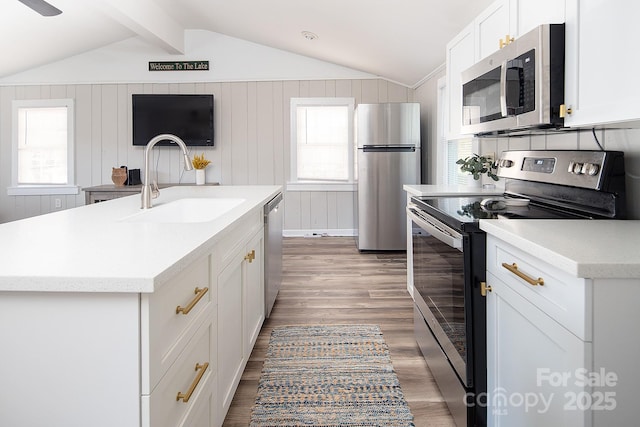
(327, 281)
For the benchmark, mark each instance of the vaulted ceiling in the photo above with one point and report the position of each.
(400, 40)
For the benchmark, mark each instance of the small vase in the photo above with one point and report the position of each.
(200, 176)
(119, 176)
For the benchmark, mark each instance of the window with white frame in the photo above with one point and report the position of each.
(458, 149)
(42, 147)
(322, 140)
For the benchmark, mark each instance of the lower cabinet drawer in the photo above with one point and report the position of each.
(170, 317)
(563, 297)
(186, 395)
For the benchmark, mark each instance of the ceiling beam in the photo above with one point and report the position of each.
(149, 21)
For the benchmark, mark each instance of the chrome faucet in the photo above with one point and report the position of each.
(148, 192)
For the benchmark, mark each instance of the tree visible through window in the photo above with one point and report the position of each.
(322, 139)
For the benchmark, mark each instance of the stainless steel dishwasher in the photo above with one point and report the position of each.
(273, 251)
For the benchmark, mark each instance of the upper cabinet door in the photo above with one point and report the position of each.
(493, 28)
(460, 56)
(528, 14)
(601, 67)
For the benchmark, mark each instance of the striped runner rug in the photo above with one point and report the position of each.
(329, 376)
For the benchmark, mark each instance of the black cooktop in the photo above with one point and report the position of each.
(463, 213)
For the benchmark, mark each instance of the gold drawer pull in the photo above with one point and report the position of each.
(199, 294)
(514, 269)
(185, 397)
(250, 256)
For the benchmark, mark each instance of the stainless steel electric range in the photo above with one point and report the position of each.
(449, 256)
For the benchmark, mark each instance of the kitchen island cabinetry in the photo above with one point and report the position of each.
(598, 33)
(130, 339)
(560, 322)
(241, 314)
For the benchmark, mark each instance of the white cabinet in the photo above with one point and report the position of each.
(241, 306)
(528, 14)
(601, 67)
(558, 346)
(231, 328)
(178, 351)
(110, 359)
(460, 56)
(254, 301)
(492, 28)
(525, 347)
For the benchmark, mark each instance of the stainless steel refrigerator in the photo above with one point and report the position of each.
(388, 157)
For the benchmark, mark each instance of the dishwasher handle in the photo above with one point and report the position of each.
(272, 204)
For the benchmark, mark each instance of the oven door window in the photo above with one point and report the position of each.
(439, 281)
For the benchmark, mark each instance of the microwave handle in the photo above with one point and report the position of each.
(503, 88)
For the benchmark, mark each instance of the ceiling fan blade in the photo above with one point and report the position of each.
(42, 7)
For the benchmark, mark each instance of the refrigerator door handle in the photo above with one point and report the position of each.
(387, 148)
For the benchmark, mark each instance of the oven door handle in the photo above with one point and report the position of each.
(439, 231)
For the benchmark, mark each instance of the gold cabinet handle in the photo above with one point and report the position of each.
(484, 288)
(565, 111)
(514, 269)
(250, 256)
(506, 41)
(185, 397)
(199, 294)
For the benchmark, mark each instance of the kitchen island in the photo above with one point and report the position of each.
(562, 322)
(113, 315)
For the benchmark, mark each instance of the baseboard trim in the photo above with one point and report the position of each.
(333, 232)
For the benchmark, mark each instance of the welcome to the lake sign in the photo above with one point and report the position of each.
(179, 66)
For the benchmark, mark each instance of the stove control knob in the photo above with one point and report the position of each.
(585, 168)
(577, 168)
(571, 166)
(506, 163)
(593, 169)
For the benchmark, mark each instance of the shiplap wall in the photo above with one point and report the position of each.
(252, 141)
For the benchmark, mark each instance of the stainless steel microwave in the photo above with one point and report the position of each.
(519, 87)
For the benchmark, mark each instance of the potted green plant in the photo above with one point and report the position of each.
(477, 165)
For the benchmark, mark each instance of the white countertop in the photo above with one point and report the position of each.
(452, 190)
(89, 248)
(589, 249)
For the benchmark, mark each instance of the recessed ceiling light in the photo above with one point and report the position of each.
(309, 35)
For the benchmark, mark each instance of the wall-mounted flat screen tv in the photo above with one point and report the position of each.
(189, 117)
